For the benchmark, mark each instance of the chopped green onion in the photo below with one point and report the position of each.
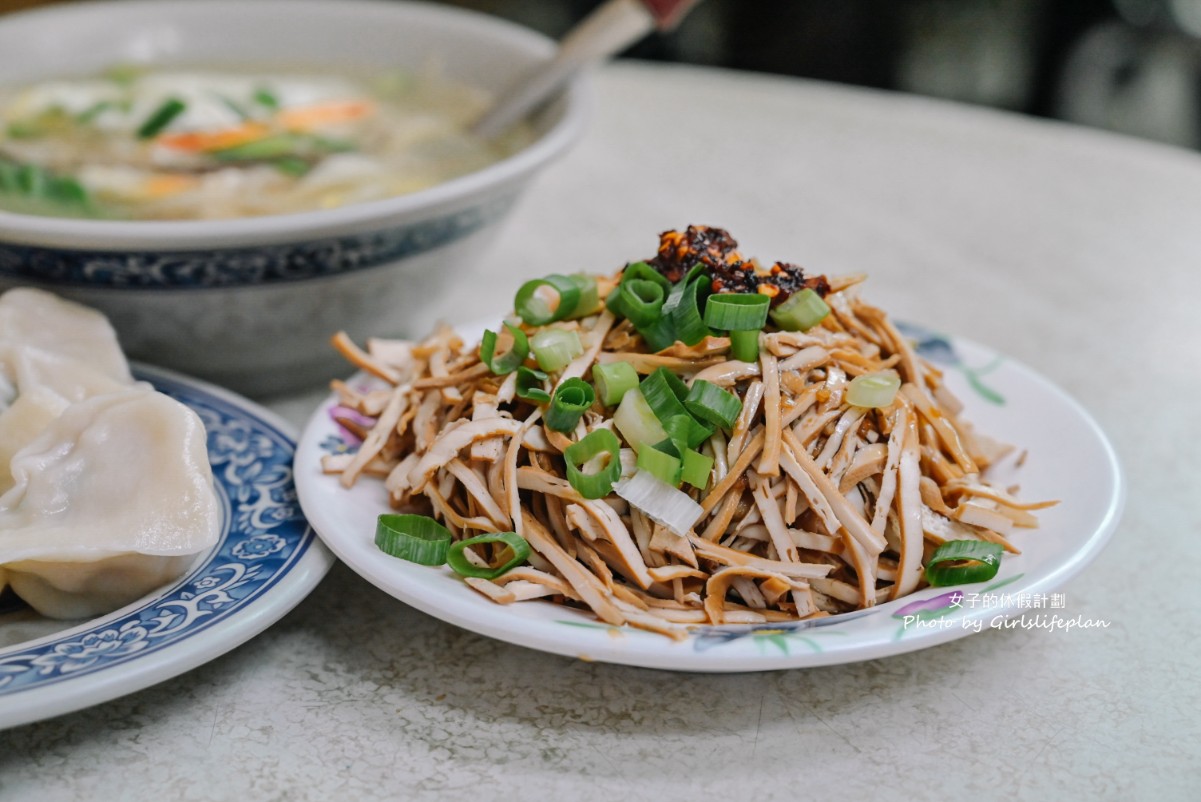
(660, 464)
(292, 165)
(686, 315)
(665, 392)
(686, 431)
(874, 389)
(461, 565)
(661, 502)
(266, 98)
(744, 345)
(416, 538)
(659, 334)
(712, 404)
(571, 399)
(555, 348)
(589, 300)
(737, 311)
(636, 421)
(959, 561)
(637, 271)
(269, 147)
(161, 118)
(530, 385)
(93, 111)
(596, 443)
(531, 302)
(66, 190)
(10, 180)
(329, 144)
(676, 294)
(234, 106)
(743, 315)
(801, 311)
(695, 469)
(613, 380)
(40, 185)
(641, 270)
(504, 365)
(639, 300)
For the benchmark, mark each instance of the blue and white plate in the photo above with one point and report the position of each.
(266, 560)
(1070, 459)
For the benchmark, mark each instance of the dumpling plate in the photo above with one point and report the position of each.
(266, 561)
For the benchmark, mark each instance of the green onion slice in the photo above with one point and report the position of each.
(695, 469)
(517, 353)
(686, 315)
(744, 345)
(294, 166)
(661, 465)
(269, 147)
(959, 561)
(530, 385)
(531, 302)
(641, 270)
(93, 111)
(598, 483)
(161, 118)
(459, 563)
(677, 290)
(639, 300)
(737, 311)
(874, 390)
(637, 422)
(801, 311)
(712, 404)
(555, 348)
(266, 98)
(686, 432)
(665, 392)
(571, 399)
(659, 334)
(613, 380)
(416, 538)
(589, 300)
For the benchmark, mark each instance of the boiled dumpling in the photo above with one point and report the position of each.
(25, 419)
(111, 500)
(52, 353)
(31, 318)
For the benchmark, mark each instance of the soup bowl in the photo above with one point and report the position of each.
(251, 302)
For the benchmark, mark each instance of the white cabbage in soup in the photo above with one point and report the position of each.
(172, 145)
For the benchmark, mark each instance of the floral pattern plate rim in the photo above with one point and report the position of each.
(1070, 459)
(265, 562)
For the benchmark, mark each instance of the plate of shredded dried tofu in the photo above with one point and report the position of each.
(706, 463)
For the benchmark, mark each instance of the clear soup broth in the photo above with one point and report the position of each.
(192, 144)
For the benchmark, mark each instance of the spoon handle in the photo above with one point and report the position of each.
(609, 29)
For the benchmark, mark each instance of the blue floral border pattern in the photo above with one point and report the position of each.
(233, 267)
(266, 535)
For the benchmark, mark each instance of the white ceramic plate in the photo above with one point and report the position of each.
(1069, 459)
(266, 560)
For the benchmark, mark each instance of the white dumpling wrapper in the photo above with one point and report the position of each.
(38, 319)
(25, 419)
(110, 501)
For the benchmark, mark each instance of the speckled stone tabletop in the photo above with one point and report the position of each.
(1073, 251)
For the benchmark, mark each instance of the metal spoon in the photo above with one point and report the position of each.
(608, 30)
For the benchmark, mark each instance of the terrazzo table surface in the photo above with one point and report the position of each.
(1075, 252)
